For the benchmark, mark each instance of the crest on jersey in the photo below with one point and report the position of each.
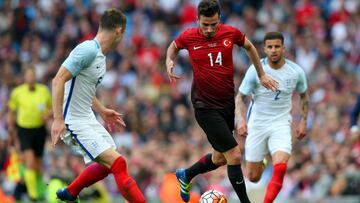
(227, 43)
(290, 82)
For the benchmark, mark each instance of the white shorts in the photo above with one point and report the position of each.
(261, 141)
(89, 139)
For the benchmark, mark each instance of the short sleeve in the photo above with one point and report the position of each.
(180, 41)
(81, 57)
(239, 37)
(301, 85)
(249, 82)
(13, 102)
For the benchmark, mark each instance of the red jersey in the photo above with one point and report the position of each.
(212, 65)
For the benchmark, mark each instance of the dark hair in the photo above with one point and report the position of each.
(27, 67)
(274, 35)
(112, 18)
(208, 8)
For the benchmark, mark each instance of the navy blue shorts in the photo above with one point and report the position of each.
(32, 138)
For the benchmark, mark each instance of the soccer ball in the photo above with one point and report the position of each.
(212, 196)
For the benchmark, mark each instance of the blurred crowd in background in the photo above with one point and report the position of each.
(322, 36)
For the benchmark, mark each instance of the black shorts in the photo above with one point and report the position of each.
(218, 125)
(32, 138)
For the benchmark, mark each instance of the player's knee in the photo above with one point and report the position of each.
(233, 156)
(220, 161)
(280, 161)
(30, 160)
(253, 177)
(109, 157)
(234, 159)
(31, 165)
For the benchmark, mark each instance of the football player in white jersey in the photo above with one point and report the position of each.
(74, 101)
(267, 124)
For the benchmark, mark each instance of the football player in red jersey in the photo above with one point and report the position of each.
(210, 49)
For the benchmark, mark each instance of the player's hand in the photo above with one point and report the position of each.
(57, 129)
(241, 129)
(169, 68)
(113, 119)
(269, 83)
(301, 131)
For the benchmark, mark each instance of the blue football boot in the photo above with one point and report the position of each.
(64, 195)
(185, 185)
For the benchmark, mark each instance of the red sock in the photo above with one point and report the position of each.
(126, 185)
(90, 175)
(275, 183)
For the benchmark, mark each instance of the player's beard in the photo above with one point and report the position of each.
(275, 60)
(210, 34)
(115, 43)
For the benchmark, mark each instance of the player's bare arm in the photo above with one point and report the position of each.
(265, 80)
(240, 115)
(47, 115)
(98, 107)
(11, 120)
(304, 97)
(112, 118)
(171, 54)
(58, 84)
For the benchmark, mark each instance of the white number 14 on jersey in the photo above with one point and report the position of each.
(218, 59)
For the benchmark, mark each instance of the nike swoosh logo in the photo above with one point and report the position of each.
(238, 183)
(197, 47)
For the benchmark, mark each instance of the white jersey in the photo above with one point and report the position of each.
(268, 107)
(87, 65)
